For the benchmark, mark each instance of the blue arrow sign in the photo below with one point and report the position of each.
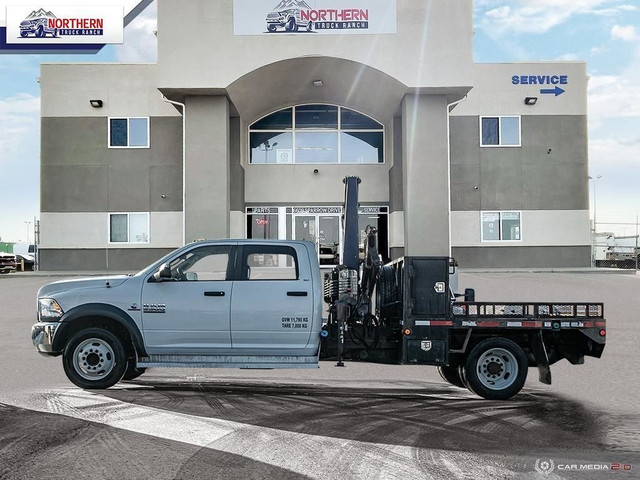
(554, 91)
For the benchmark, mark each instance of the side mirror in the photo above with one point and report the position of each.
(164, 272)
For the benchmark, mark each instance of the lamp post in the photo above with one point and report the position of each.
(28, 224)
(594, 238)
(597, 177)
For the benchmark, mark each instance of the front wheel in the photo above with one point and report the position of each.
(496, 369)
(94, 358)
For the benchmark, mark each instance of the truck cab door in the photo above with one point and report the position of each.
(272, 302)
(189, 312)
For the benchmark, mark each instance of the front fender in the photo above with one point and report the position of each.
(102, 310)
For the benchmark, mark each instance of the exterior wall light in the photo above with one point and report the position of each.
(530, 100)
(96, 103)
(318, 83)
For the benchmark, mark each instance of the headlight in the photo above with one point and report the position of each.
(49, 308)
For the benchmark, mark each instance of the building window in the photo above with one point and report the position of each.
(320, 134)
(129, 132)
(501, 226)
(500, 131)
(321, 225)
(128, 228)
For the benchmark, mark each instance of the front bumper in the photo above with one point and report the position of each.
(42, 337)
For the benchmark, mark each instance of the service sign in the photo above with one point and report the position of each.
(63, 24)
(314, 17)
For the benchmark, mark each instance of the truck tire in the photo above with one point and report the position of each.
(94, 358)
(132, 372)
(451, 374)
(496, 369)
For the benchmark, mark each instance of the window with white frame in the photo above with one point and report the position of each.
(501, 131)
(316, 134)
(128, 228)
(129, 132)
(501, 226)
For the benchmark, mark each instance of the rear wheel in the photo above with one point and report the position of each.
(94, 358)
(496, 369)
(451, 374)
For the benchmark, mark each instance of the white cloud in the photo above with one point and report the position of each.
(598, 50)
(627, 33)
(19, 122)
(140, 43)
(612, 97)
(568, 57)
(540, 16)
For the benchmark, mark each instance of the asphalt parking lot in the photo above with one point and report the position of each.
(363, 421)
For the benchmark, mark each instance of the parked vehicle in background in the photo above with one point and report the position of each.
(7, 262)
(25, 255)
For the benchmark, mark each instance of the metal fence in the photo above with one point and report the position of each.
(606, 256)
(616, 245)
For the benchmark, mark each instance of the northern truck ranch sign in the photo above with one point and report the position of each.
(317, 17)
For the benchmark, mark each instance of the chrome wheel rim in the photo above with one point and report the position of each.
(497, 368)
(93, 359)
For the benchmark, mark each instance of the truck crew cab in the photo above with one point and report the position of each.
(258, 304)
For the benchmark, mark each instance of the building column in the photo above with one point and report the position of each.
(425, 175)
(237, 217)
(207, 168)
(396, 189)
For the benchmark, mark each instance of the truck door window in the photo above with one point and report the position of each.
(202, 264)
(270, 263)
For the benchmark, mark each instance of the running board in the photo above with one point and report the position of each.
(227, 361)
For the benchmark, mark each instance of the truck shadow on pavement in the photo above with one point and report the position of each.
(434, 417)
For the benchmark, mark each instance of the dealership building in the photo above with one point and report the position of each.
(255, 111)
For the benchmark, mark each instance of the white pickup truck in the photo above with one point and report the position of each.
(258, 304)
(226, 303)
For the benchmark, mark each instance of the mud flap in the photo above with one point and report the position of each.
(542, 359)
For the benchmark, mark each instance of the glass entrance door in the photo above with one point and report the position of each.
(324, 231)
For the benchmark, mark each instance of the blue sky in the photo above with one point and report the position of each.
(604, 33)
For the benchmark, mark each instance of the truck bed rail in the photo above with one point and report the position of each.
(528, 310)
